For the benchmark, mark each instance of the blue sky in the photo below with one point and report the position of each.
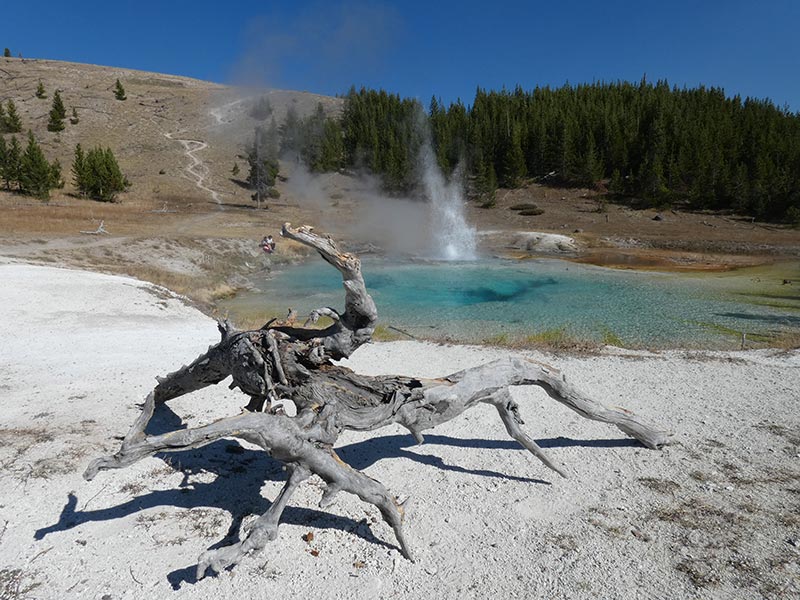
(421, 48)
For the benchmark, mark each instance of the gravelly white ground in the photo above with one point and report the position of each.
(716, 515)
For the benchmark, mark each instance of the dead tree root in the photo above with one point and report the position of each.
(283, 361)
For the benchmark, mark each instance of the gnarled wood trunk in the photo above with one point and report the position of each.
(282, 361)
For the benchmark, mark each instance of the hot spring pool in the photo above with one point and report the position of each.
(507, 301)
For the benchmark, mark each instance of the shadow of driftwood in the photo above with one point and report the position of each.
(361, 455)
(241, 473)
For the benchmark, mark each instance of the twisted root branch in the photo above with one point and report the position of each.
(295, 363)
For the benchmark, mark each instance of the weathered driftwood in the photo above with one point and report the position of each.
(100, 230)
(283, 361)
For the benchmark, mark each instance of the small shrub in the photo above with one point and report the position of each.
(524, 206)
(531, 212)
(274, 193)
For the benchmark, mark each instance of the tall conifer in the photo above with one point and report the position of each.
(12, 123)
(36, 175)
(11, 170)
(57, 114)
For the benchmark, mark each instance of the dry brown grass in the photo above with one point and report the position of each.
(16, 584)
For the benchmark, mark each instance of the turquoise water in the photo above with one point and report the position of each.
(497, 299)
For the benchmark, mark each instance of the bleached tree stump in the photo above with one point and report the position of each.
(282, 361)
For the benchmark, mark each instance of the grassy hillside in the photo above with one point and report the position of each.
(145, 130)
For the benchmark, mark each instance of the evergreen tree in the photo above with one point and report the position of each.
(486, 185)
(262, 109)
(97, 174)
(270, 140)
(40, 91)
(331, 157)
(3, 156)
(57, 114)
(74, 118)
(616, 186)
(11, 169)
(512, 160)
(7, 53)
(312, 130)
(119, 91)
(58, 106)
(56, 182)
(655, 143)
(291, 131)
(36, 175)
(263, 165)
(12, 123)
(80, 175)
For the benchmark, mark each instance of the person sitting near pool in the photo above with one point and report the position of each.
(268, 244)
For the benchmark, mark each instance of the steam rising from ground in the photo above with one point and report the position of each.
(328, 47)
(431, 227)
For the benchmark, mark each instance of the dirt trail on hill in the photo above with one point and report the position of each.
(197, 171)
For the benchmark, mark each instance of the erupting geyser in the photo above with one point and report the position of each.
(455, 239)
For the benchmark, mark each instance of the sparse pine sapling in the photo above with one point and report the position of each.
(57, 114)
(74, 118)
(55, 124)
(58, 105)
(7, 53)
(40, 92)
(119, 91)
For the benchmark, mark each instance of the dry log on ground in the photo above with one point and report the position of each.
(281, 361)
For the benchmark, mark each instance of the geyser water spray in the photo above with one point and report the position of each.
(452, 236)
